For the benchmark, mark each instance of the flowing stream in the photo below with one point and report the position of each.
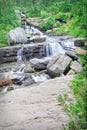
(52, 46)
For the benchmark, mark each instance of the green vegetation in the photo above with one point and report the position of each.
(78, 111)
(47, 25)
(8, 20)
(73, 12)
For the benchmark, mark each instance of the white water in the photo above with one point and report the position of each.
(53, 47)
(68, 44)
(32, 30)
(40, 78)
(20, 55)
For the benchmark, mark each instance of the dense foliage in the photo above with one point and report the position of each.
(72, 10)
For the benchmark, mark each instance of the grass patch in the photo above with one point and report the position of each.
(77, 112)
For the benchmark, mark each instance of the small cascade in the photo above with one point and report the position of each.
(68, 45)
(40, 78)
(54, 49)
(20, 55)
(31, 30)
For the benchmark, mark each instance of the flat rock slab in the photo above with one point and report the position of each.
(35, 108)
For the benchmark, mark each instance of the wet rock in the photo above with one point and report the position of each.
(39, 63)
(28, 81)
(58, 65)
(76, 66)
(17, 36)
(72, 55)
(40, 77)
(10, 88)
(29, 70)
(8, 75)
(79, 42)
(37, 39)
(18, 80)
(9, 54)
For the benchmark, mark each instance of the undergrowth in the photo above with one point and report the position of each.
(78, 111)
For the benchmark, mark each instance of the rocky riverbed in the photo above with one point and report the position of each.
(34, 70)
(36, 107)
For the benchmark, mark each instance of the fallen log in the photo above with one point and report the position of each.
(5, 82)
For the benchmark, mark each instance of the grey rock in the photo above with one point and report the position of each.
(28, 82)
(29, 70)
(39, 63)
(34, 22)
(8, 75)
(58, 65)
(76, 66)
(79, 42)
(17, 36)
(80, 51)
(10, 88)
(36, 107)
(71, 72)
(9, 54)
(72, 55)
(37, 39)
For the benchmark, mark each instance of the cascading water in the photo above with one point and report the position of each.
(68, 45)
(40, 78)
(20, 55)
(54, 47)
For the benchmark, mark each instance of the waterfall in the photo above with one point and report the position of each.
(68, 44)
(53, 49)
(20, 55)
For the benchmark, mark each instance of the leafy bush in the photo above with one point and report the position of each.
(62, 15)
(48, 24)
(57, 25)
(44, 14)
(61, 29)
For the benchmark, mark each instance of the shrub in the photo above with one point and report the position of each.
(62, 15)
(48, 24)
(44, 14)
(77, 112)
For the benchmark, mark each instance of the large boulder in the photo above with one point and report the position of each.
(76, 66)
(72, 55)
(34, 22)
(79, 42)
(80, 51)
(58, 65)
(39, 63)
(37, 39)
(17, 36)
